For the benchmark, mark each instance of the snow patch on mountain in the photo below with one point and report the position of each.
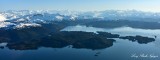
(25, 18)
(59, 17)
(2, 18)
(6, 24)
(23, 25)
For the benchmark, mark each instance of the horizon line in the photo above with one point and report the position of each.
(82, 10)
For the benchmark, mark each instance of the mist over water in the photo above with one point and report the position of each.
(120, 30)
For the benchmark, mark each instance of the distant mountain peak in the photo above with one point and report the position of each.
(23, 17)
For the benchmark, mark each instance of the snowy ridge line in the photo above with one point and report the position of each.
(25, 18)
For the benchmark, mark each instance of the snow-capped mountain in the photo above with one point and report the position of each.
(23, 18)
(2, 18)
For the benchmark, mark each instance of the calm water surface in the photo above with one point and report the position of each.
(121, 49)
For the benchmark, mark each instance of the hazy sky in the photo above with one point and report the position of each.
(83, 5)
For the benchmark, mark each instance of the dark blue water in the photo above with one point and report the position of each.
(122, 49)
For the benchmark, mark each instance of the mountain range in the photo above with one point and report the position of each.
(23, 18)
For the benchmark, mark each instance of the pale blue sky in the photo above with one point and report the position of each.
(82, 5)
